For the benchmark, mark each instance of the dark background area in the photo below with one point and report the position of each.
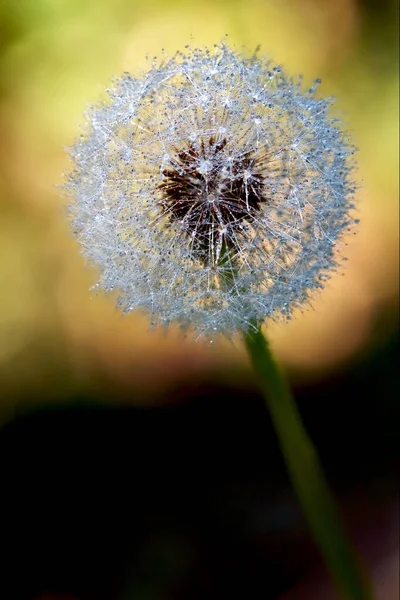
(191, 500)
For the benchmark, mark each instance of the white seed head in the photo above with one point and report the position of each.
(211, 191)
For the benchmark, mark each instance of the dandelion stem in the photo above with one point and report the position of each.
(306, 474)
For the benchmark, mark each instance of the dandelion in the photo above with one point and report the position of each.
(211, 191)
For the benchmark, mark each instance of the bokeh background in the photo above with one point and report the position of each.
(57, 56)
(58, 343)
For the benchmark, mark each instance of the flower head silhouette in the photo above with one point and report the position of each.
(211, 191)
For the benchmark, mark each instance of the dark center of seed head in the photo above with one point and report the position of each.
(212, 195)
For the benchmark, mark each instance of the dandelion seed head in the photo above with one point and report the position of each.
(212, 190)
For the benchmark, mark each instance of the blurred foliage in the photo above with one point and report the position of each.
(56, 57)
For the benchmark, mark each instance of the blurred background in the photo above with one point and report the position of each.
(66, 356)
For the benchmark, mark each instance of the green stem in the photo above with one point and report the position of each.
(306, 474)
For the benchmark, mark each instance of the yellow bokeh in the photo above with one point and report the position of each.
(57, 57)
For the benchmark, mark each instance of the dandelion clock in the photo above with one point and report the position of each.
(211, 191)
